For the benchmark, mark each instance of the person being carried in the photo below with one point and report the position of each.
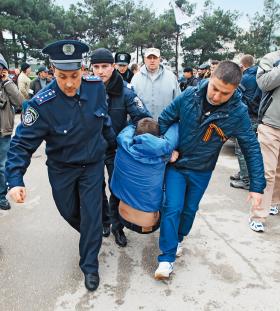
(139, 173)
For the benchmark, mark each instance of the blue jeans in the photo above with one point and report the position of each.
(244, 175)
(4, 147)
(184, 191)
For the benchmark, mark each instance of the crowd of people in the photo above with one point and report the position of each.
(159, 139)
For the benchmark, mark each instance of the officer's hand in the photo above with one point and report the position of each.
(18, 194)
(256, 199)
(174, 156)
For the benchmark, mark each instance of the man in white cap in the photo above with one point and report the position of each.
(155, 85)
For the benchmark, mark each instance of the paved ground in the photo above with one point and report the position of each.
(225, 266)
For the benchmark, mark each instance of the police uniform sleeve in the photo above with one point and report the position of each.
(28, 137)
(134, 106)
(109, 133)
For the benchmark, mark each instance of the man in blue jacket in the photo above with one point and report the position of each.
(208, 115)
(122, 103)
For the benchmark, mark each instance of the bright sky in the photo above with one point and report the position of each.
(243, 6)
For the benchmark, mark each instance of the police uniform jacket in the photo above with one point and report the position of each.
(73, 128)
(122, 101)
(127, 76)
(202, 136)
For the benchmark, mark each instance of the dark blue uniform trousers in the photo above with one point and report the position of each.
(111, 210)
(77, 192)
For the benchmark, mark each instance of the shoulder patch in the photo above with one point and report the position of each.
(30, 116)
(91, 78)
(43, 97)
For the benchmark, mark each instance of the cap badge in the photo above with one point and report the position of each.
(68, 49)
(122, 57)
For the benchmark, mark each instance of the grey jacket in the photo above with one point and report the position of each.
(268, 78)
(158, 92)
(10, 97)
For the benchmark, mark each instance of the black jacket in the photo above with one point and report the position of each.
(127, 76)
(123, 102)
(188, 82)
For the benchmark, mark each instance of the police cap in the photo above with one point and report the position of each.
(42, 69)
(204, 67)
(66, 54)
(122, 58)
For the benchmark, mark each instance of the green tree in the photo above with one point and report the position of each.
(257, 40)
(34, 23)
(101, 23)
(216, 29)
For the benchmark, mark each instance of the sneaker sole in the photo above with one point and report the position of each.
(239, 187)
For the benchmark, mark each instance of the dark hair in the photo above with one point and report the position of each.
(24, 67)
(134, 67)
(147, 125)
(247, 60)
(229, 72)
(215, 62)
(188, 69)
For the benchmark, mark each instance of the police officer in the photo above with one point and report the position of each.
(122, 102)
(122, 61)
(70, 114)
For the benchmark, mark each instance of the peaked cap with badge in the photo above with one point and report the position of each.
(122, 58)
(66, 54)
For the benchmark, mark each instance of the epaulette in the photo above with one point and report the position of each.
(91, 78)
(43, 97)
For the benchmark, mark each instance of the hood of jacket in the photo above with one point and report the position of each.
(147, 148)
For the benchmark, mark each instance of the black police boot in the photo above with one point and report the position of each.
(106, 230)
(120, 237)
(92, 281)
(5, 206)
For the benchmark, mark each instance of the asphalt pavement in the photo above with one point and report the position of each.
(225, 265)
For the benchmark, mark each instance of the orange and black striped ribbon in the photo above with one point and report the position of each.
(208, 134)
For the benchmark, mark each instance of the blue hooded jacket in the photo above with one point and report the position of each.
(139, 167)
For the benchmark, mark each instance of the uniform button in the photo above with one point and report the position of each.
(102, 114)
(65, 132)
(83, 166)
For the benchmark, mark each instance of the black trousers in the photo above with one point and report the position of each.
(110, 212)
(77, 192)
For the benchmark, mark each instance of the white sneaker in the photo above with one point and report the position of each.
(256, 226)
(179, 251)
(274, 209)
(163, 271)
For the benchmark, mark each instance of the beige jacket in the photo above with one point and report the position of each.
(10, 98)
(24, 84)
(268, 78)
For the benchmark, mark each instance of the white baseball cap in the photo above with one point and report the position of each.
(152, 51)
